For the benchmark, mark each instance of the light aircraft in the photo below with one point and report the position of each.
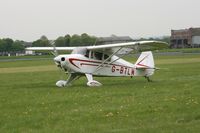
(102, 60)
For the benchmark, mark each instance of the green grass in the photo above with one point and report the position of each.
(27, 63)
(30, 102)
(27, 57)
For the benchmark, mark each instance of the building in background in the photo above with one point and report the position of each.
(185, 38)
(113, 39)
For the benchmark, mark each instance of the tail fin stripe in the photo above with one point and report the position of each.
(142, 64)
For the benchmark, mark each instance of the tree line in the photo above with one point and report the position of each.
(66, 41)
(7, 45)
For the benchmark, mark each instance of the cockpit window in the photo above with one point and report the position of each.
(98, 55)
(87, 53)
(106, 56)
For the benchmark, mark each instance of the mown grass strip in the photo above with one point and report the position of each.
(29, 69)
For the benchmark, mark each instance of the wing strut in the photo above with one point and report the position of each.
(72, 77)
(102, 64)
(116, 59)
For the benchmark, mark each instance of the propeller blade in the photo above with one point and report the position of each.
(55, 52)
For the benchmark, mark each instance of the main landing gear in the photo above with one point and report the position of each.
(91, 82)
(148, 79)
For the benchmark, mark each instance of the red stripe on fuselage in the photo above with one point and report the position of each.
(71, 60)
(87, 64)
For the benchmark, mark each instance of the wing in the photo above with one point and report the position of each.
(50, 48)
(123, 48)
(118, 48)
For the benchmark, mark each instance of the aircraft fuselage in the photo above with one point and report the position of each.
(81, 64)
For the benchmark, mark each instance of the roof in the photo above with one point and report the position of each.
(114, 38)
(192, 31)
(195, 31)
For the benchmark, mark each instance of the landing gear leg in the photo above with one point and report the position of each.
(92, 82)
(148, 79)
(63, 83)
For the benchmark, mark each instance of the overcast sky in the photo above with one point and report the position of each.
(29, 19)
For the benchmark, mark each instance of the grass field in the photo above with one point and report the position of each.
(30, 102)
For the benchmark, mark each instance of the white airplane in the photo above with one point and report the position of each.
(102, 60)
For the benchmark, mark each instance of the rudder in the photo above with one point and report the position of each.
(145, 63)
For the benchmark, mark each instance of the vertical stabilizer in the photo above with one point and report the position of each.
(145, 64)
(145, 61)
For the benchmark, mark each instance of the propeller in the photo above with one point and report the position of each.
(59, 62)
(54, 52)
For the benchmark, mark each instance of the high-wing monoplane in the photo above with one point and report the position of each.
(102, 60)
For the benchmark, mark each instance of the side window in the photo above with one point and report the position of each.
(106, 57)
(87, 54)
(98, 55)
(91, 54)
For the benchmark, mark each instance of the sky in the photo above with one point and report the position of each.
(28, 20)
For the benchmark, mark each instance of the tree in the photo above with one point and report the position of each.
(43, 37)
(87, 40)
(2, 46)
(83, 40)
(75, 40)
(67, 40)
(60, 41)
(42, 42)
(8, 44)
(93, 40)
(36, 43)
(18, 46)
